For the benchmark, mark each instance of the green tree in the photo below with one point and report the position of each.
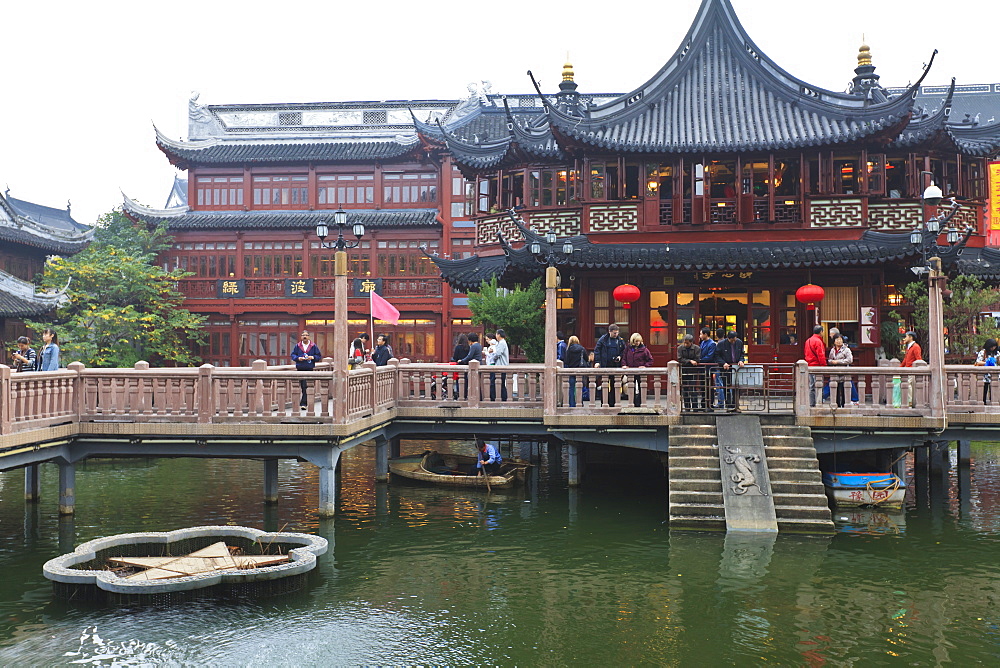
(518, 312)
(122, 307)
(967, 330)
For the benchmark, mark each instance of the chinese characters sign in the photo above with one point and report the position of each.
(298, 287)
(994, 175)
(230, 288)
(364, 286)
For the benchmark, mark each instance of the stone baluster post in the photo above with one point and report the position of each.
(205, 394)
(6, 400)
(341, 343)
(673, 387)
(475, 387)
(77, 396)
(935, 327)
(801, 396)
(550, 389)
(373, 390)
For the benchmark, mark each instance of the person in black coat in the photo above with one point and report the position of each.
(383, 351)
(729, 355)
(576, 358)
(608, 355)
(475, 353)
(691, 375)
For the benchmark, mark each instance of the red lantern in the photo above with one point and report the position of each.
(810, 295)
(627, 293)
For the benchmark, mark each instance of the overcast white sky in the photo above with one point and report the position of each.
(84, 82)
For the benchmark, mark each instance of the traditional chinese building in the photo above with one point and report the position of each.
(28, 234)
(723, 184)
(718, 187)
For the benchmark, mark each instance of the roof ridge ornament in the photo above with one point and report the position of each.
(202, 123)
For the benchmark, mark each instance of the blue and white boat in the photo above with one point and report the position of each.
(865, 489)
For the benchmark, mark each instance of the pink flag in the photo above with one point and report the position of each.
(383, 310)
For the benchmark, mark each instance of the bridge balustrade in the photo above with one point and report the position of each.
(265, 394)
(967, 389)
(887, 391)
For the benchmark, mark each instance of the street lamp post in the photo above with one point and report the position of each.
(340, 343)
(932, 266)
(550, 255)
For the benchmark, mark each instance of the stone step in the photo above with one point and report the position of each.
(810, 526)
(679, 497)
(803, 512)
(800, 500)
(692, 430)
(693, 439)
(698, 522)
(792, 464)
(706, 462)
(698, 473)
(800, 441)
(697, 485)
(774, 452)
(698, 509)
(767, 430)
(797, 486)
(692, 451)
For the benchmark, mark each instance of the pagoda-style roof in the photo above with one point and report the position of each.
(18, 298)
(43, 227)
(245, 151)
(983, 263)
(719, 92)
(967, 136)
(182, 218)
(515, 265)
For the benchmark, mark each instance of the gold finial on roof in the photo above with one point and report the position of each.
(567, 74)
(864, 55)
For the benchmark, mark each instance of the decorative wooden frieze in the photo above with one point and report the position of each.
(487, 228)
(565, 223)
(836, 213)
(894, 216)
(614, 217)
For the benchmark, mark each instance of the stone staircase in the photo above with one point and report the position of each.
(696, 502)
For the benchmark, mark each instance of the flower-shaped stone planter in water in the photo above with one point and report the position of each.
(86, 572)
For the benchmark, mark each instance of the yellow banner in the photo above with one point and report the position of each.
(994, 195)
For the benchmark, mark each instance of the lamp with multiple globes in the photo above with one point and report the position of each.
(340, 220)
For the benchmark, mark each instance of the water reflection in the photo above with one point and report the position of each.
(542, 575)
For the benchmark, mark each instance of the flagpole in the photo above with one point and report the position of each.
(371, 318)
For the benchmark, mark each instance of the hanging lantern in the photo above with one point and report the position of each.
(626, 293)
(810, 295)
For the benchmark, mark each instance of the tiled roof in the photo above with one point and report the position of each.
(981, 262)
(872, 248)
(719, 92)
(41, 227)
(271, 150)
(13, 306)
(182, 218)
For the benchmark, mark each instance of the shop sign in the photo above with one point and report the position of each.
(364, 286)
(722, 276)
(231, 288)
(298, 287)
(994, 176)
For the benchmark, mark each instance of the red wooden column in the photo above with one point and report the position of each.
(551, 388)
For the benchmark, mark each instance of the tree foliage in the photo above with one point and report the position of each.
(966, 329)
(122, 307)
(518, 312)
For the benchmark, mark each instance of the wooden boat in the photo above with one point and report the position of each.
(453, 470)
(865, 489)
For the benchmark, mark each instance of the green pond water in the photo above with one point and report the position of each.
(539, 576)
